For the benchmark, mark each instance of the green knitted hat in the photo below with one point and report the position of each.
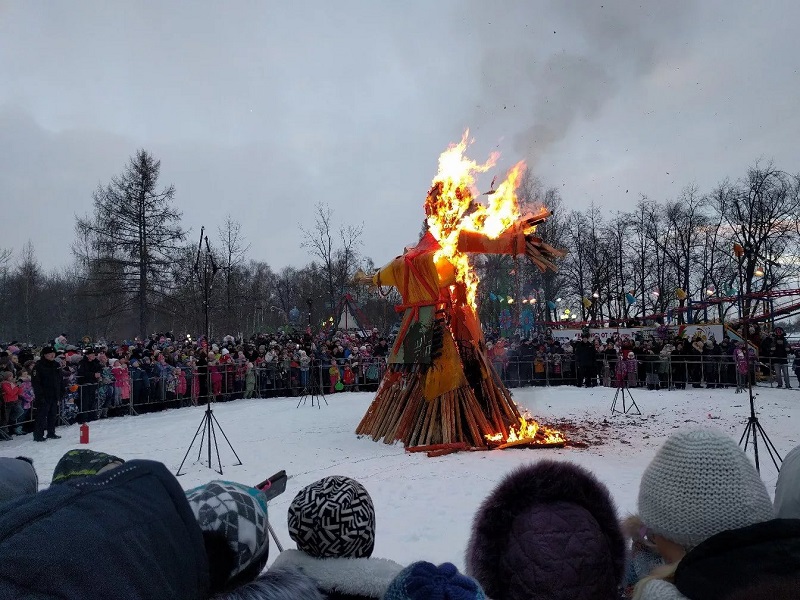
(82, 463)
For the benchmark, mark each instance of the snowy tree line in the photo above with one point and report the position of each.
(133, 271)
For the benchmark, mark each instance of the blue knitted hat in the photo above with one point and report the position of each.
(426, 581)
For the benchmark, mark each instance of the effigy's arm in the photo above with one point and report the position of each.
(386, 275)
(514, 241)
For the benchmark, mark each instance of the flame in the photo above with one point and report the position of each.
(528, 430)
(451, 207)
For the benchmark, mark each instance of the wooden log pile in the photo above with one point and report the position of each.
(465, 415)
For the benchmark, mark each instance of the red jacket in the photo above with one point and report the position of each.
(11, 391)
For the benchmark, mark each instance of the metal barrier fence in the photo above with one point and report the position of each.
(651, 371)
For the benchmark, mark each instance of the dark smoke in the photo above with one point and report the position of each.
(558, 63)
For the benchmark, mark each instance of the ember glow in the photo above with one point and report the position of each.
(453, 205)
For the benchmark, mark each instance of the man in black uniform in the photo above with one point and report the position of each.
(47, 389)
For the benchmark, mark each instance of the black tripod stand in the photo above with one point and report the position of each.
(626, 408)
(205, 270)
(753, 427)
(313, 388)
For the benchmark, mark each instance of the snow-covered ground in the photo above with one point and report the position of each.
(424, 505)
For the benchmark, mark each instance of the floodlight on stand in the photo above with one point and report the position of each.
(758, 272)
(595, 294)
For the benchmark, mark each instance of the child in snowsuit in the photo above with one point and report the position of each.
(26, 393)
(249, 381)
(333, 373)
(216, 379)
(740, 358)
(11, 403)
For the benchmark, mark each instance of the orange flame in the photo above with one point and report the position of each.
(529, 430)
(451, 206)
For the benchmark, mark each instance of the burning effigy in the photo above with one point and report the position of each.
(440, 389)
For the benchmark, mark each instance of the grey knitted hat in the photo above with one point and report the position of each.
(700, 484)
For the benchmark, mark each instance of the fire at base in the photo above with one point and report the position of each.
(440, 387)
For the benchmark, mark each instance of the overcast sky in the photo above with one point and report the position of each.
(262, 109)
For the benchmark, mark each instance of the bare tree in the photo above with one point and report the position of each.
(234, 250)
(137, 232)
(28, 275)
(337, 251)
(686, 219)
(761, 213)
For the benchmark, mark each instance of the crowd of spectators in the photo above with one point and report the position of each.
(661, 361)
(107, 379)
(102, 379)
(705, 528)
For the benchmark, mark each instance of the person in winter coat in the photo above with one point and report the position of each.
(632, 369)
(26, 391)
(305, 364)
(333, 376)
(105, 389)
(586, 359)
(17, 478)
(122, 382)
(181, 386)
(249, 381)
(726, 368)
(787, 488)
(216, 378)
(89, 374)
(140, 383)
(137, 539)
(740, 359)
(796, 365)
(711, 359)
(12, 405)
(48, 389)
(780, 358)
(332, 522)
(708, 513)
(548, 530)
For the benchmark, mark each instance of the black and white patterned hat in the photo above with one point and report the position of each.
(233, 518)
(333, 518)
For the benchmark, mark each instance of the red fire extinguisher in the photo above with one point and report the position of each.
(84, 433)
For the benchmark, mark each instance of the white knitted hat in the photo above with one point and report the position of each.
(699, 484)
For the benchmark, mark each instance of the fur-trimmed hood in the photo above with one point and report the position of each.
(547, 530)
(359, 577)
(276, 584)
